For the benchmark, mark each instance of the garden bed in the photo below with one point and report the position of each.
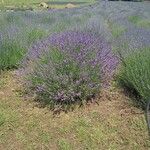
(75, 78)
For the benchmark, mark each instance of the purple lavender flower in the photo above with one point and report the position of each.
(72, 66)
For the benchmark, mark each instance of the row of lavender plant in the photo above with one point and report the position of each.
(134, 74)
(132, 44)
(19, 30)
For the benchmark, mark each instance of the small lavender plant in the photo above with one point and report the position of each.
(69, 67)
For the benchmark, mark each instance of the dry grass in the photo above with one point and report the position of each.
(113, 124)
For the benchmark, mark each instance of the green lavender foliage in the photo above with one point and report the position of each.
(10, 55)
(135, 73)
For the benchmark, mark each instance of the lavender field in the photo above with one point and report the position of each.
(75, 78)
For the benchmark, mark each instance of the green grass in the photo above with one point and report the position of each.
(63, 144)
(2, 83)
(140, 22)
(2, 119)
(109, 125)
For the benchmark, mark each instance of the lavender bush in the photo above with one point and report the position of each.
(11, 54)
(135, 73)
(69, 67)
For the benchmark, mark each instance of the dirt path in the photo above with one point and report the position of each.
(113, 124)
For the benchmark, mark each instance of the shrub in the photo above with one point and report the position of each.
(135, 73)
(11, 54)
(67, 68)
